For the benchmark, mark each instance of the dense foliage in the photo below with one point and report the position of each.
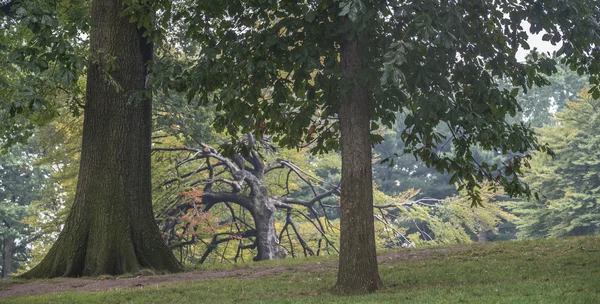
(434, 61)
(21, 184)
(569, 182)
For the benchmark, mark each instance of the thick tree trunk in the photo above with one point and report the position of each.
(111, 229)
(358, 271)
(7, 256)
(263, 212)
(266, 236)
(260, 206)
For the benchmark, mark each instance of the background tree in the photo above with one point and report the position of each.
(395, 171)
(403, 171)
(569, 181)
(21, 183)
(539, 104)
(428, 222)
(207, 206)
(173, 115)
(60, 141)
(204, 180)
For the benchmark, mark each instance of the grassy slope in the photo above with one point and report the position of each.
(541, 271)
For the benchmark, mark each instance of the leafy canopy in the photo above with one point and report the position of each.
(273, 67)
(43, 47)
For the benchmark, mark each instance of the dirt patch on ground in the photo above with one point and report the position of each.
(21, 288)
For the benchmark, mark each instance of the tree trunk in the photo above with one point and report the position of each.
(7, 256)
(110, 228)
(267, 239)
(263, 212)
(358, 271)
(482, 236)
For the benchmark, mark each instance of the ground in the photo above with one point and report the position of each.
(107, 283)
(544, 271)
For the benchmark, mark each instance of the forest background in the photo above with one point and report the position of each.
(419, 206)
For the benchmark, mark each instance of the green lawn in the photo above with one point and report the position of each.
(541, 271)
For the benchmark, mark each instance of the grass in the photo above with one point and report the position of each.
(291, 262)
(537, 271)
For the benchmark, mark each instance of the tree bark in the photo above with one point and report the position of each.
(110, 228)
(263, 213)
(482, 236)
(358, 271)
(7, 256)
(267, 240)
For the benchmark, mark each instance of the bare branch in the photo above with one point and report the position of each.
(290, 220)
(315, 199)
(213, 198)
(320, 230)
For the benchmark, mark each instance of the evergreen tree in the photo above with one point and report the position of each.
(21, 183)
(569, 182)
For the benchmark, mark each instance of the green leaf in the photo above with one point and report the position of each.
(310, 16)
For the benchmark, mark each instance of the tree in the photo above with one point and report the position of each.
(539, 104)
(110, 228)
(357, 224)
(205, 179)
(34, 74)
(429, 221)
(209, 206)
(173, 115)
(402, 171)
(60, 143)
(569, 181)
(395, 171)
(20, 184)
(306, 70)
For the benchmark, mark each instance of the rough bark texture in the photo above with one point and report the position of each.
(267, 240)
(7, 256)
(263, 212)
(110, 229)
(358, 270)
